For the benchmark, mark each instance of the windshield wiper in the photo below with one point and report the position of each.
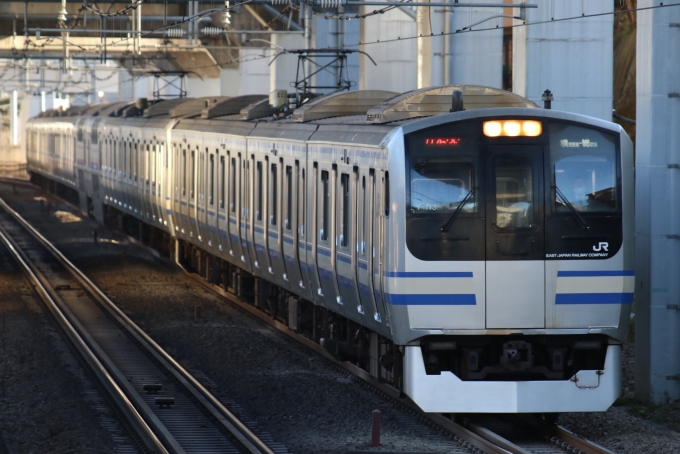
(455, 214)
(571, 208)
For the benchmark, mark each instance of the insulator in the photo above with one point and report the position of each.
(330, 3)
(281, 2)
(212, 31)
(176, 32)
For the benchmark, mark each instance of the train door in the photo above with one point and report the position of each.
(326, 247)
(260, 193)
(291, 188)
(381, 205)
(273, 230)
(247, 211)
(221, 203)
(365, 244)
(514, 237)
(304, 224)
(234, 187)
(346, 256)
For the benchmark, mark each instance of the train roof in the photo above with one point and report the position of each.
(365, 117)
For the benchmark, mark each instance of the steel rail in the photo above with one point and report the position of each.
(559, 433)
(478, 436)
(214, 406)
(473, 439)
(83, 350)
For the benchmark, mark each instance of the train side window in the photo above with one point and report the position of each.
(326, 208)
(289, 198)
(232, 190)
(258, 210)
(274, 195)
(345, 194)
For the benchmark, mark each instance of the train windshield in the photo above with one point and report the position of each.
(584, 168)
(443, 174)
(474, 197)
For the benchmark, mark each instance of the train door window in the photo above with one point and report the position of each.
(154, 164)
(201, 171)
(302, 191)
(114, 155)
(386, 193)
(124, 167)
(361, 220)
(146, 164)
(184, 173)
(211, 195)
(274, 196)
(369, 213)
(258, 209)
(288, 199)
(325, 205)
(514, 192)
(136, 162)
(345, 193)
(232, 190)
(221, 190)
(192, 163)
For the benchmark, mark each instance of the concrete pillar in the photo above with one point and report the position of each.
(126, 87)
(253, 70)
(397, 60)
(657, 237)
(14, 118)
(475, 57)
(430, 47)
(572, 58)
(230, 82)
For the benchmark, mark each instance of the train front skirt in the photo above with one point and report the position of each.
(588, 390)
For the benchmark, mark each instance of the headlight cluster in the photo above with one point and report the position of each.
(513, 128)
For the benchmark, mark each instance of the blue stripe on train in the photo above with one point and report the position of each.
(594, 298)
(427, 274)
(455, 299)
(595, 273)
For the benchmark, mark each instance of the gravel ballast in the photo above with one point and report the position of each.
(288, 391)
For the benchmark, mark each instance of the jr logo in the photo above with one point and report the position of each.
(603, 246)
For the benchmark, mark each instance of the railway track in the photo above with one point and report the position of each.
(164, 407)
(512, 434)
(478, 433)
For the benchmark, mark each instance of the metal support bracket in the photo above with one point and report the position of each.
(673, 307)
(673, 237)
(674, 95)
(674, 166)
(673, 377)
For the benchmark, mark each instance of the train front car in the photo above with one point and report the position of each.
(514, 288)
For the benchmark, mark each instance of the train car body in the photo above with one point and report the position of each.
(490, 248)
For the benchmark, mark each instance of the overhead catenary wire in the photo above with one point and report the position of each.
(525, 24)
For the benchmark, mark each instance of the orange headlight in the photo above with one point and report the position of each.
(512, 128)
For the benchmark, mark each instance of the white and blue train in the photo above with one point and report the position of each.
(480, 258)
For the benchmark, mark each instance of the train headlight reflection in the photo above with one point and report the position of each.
(513, 128)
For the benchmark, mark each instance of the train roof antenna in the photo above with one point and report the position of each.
(457, 101)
